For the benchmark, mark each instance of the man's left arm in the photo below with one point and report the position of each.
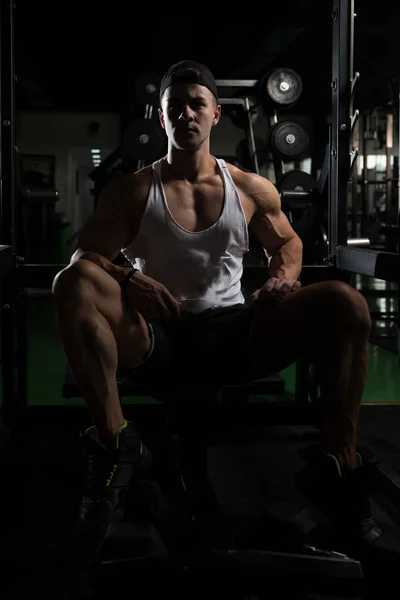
(282, 245)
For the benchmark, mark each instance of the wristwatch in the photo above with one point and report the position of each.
(124, 282)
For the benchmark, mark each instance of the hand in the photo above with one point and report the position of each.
(275, 289)
(151, 298)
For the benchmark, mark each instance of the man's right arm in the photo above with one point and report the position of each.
(109, 228)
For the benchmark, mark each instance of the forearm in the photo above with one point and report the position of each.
(286, 263)
(116, 272)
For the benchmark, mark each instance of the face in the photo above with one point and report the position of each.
(188, 113)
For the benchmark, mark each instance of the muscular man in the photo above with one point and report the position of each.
(184, 221)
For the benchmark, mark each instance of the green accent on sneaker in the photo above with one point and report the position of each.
(92, 431)
(336, 462)
(359, 461)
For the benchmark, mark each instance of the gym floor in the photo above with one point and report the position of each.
(251, 469)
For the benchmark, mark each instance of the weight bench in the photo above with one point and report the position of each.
(314, 571)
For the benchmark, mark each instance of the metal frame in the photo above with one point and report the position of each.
(8, 232)
(8, 126)
(396, 108)
(236, 82)
(373, 263)
(342, 62)
(244, 102)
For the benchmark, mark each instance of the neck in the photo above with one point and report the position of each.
(183, 164)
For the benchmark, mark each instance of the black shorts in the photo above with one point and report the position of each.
(206, 349)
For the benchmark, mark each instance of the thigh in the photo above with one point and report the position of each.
(82, 286)
(301, 322)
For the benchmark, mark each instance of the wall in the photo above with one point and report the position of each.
(69, 137)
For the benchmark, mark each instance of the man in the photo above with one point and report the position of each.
(184, 221)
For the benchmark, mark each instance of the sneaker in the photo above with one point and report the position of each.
(342, 497)
(111, 469)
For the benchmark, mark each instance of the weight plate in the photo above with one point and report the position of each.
(296, 180)
(147, 88)
(301, 215)
(288, 140)
(143, 139)
(238, 114)
(282, 86)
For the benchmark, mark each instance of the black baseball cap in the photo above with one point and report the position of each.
(189, 71)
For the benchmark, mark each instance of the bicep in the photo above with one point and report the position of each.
(272, 229)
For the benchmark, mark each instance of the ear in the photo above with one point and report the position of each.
(161, 117)
(217, 115)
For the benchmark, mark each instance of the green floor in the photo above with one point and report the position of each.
(46, 360)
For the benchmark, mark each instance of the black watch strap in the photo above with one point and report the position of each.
(127, 278)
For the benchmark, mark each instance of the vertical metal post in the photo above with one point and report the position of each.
(397, 108)
(8, 126)
(8, 203)
(342, 73)
(250, 136)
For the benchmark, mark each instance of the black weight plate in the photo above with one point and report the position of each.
(147, 88)
(288, 140)
(282, 86)
(143, 139)
(301, 218)
(296, 180)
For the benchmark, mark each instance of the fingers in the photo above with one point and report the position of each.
(276, 289)
(171, 305)
(162, 310)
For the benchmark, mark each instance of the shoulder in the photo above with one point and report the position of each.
(257, 188)
(137, 182)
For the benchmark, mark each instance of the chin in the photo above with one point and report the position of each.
(187, 146)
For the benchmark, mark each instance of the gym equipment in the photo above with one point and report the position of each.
(37, 216)
(244, 156)
(130, 541)
(281, 88)
(246, 114)
(23, 281)
(304, 207)
(238, 114)
(288, 140)
(143, 139)
(207, 543)
(147, 88)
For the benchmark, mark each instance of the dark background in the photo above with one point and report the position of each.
(87, 56)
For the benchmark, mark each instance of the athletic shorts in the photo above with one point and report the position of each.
(206, 349)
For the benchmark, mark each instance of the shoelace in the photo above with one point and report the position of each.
(100, 472)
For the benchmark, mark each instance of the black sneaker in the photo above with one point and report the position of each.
(111, 469)
(343, 497)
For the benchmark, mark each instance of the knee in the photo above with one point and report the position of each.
(67, 279)
(348, 305)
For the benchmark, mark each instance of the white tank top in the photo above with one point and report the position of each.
(201, 269)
